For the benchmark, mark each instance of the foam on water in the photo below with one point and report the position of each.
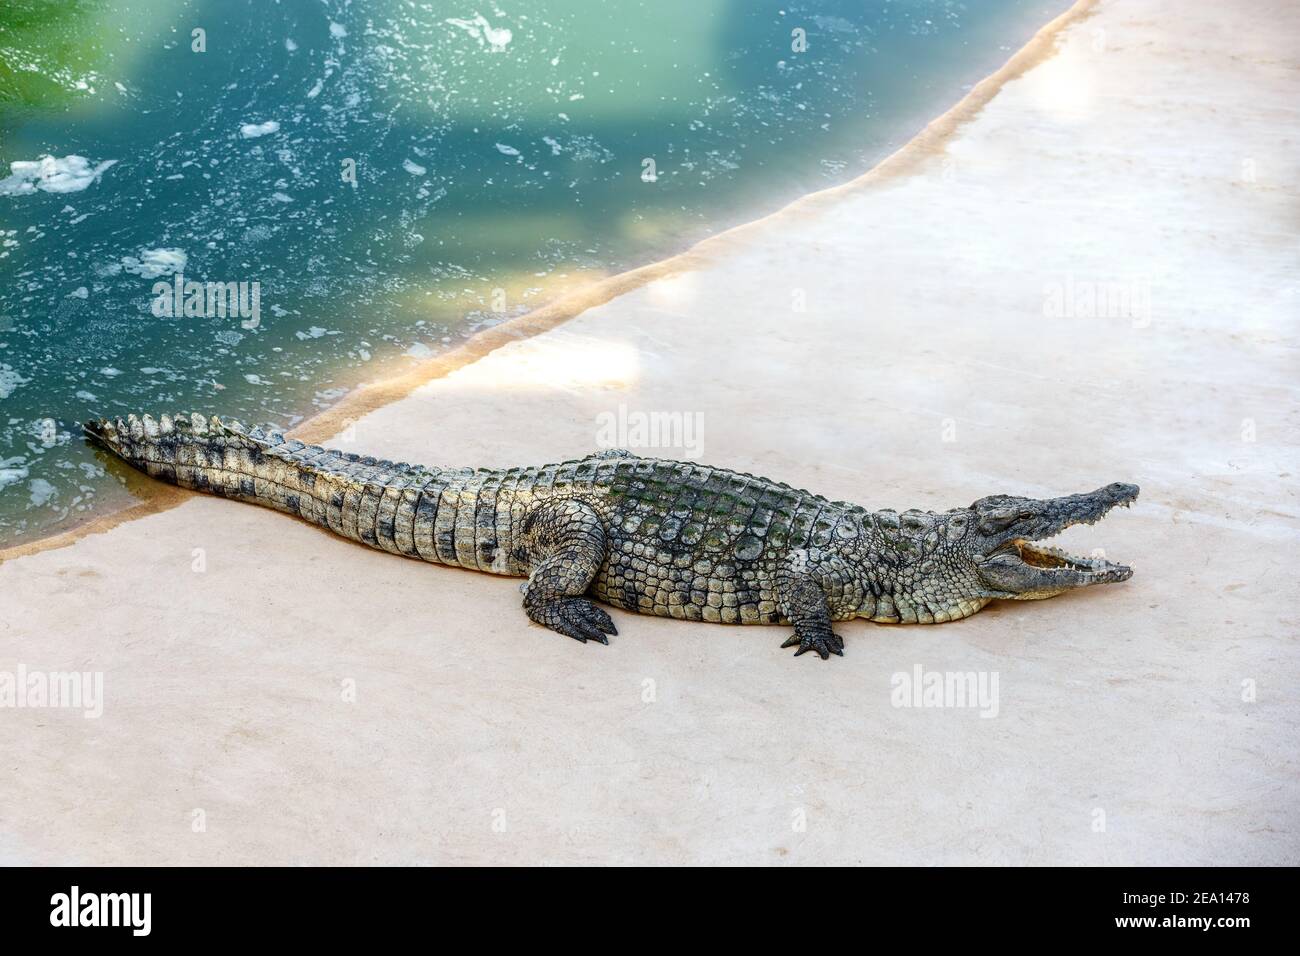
(254, 130)
(496, 38)
(153, 263)
(9, 380)
(51, 174)
(12, 471)
(40, 491)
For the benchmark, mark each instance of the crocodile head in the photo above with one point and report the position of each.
(1009, 562)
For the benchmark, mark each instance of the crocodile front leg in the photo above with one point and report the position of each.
(803, 599)
(565, 546)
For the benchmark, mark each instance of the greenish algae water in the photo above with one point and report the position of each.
(394, 175)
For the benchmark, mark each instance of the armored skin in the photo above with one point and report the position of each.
(671, 538)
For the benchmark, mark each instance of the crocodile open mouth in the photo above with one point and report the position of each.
(1053, 559)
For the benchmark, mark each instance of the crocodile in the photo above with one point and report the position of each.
(671, 538)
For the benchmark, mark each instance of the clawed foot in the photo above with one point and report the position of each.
(577, 618)
(824, 643)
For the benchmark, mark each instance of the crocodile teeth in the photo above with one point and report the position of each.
(1041, 556)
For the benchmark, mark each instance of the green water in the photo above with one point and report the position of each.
(491, 171)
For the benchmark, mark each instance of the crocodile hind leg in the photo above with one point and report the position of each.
(565, 546)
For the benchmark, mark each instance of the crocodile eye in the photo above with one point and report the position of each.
(996, 521)
(1025, 515)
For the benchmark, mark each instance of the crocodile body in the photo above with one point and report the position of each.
(675, 539)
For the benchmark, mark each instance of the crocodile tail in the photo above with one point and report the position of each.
(205, 454)
(354, 496)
